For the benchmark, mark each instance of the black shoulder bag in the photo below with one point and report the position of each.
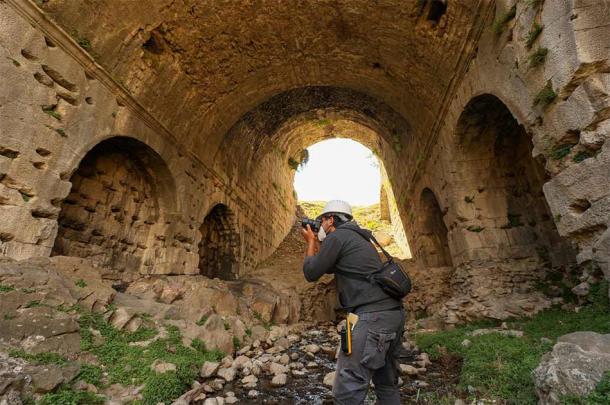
(391, 277)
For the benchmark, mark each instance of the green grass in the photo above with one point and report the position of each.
(39, 358)
(500, 366)
(538, 57)
(91, 374)
(4, 288)
(65, 396)
(533, 35)
(128, 365)
(500, 23)
(81, 283)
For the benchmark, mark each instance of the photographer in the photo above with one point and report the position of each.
(374, 339)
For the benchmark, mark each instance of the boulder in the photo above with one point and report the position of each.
(228, 374)
(574, 367)
(329, 379)
(279, 380)
(209, 368)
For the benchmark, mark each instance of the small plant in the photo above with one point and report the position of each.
(50, 110)
(248, 332)
(236, 343)
(323, 122)
(6, 288)
(15, 62)
(580, 156)
(25, 197)
(114, 112)
(546, 95)
(499, 24)
(259, 317)
(538, 57)
(532, 35)
(227, 325)
(294, 165)
(469, 199)
(561, 151)
(8, 317)
(476, 229)
(61, 132)
(33, 304)
(82, 41)
(27, 290)
(202, 320)
(557, 218)
(81, 283)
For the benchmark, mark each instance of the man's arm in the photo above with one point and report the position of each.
(316, 265)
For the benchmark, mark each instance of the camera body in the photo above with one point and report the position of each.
(314, 224)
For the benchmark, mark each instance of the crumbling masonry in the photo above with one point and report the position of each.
(161, 137)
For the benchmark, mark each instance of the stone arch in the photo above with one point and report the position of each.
(220, 244)
(433, 241)
(502, 212)
(121, 191)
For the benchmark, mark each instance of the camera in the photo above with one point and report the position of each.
(314, 224)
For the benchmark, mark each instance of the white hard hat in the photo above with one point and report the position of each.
(338, 207)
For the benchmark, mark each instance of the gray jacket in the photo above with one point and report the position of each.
(346, 250)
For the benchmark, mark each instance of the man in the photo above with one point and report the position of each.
(377, 334)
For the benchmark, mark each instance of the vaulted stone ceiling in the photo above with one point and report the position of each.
(200, 66)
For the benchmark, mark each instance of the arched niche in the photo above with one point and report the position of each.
(120, 192)
(498, 185)
(219, 245)
(433, 241)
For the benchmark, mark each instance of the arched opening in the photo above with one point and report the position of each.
(116, 199)
(433, 241)
(219, 246)
(503, 211)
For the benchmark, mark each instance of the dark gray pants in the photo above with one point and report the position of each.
(376, 342)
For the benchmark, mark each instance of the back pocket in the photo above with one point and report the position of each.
(376, 348)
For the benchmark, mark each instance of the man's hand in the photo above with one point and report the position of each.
(313, 244)
(308, 234)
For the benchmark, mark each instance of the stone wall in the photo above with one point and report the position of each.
(491, 134)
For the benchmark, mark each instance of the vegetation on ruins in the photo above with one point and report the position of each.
(538, 57)
(499, 366)
(129, 364)
(532, 35)
(546, 95)
(500, 23)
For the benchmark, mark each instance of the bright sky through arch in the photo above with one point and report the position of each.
(339, 169)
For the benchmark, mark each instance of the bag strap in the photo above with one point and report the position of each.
(369, 237)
